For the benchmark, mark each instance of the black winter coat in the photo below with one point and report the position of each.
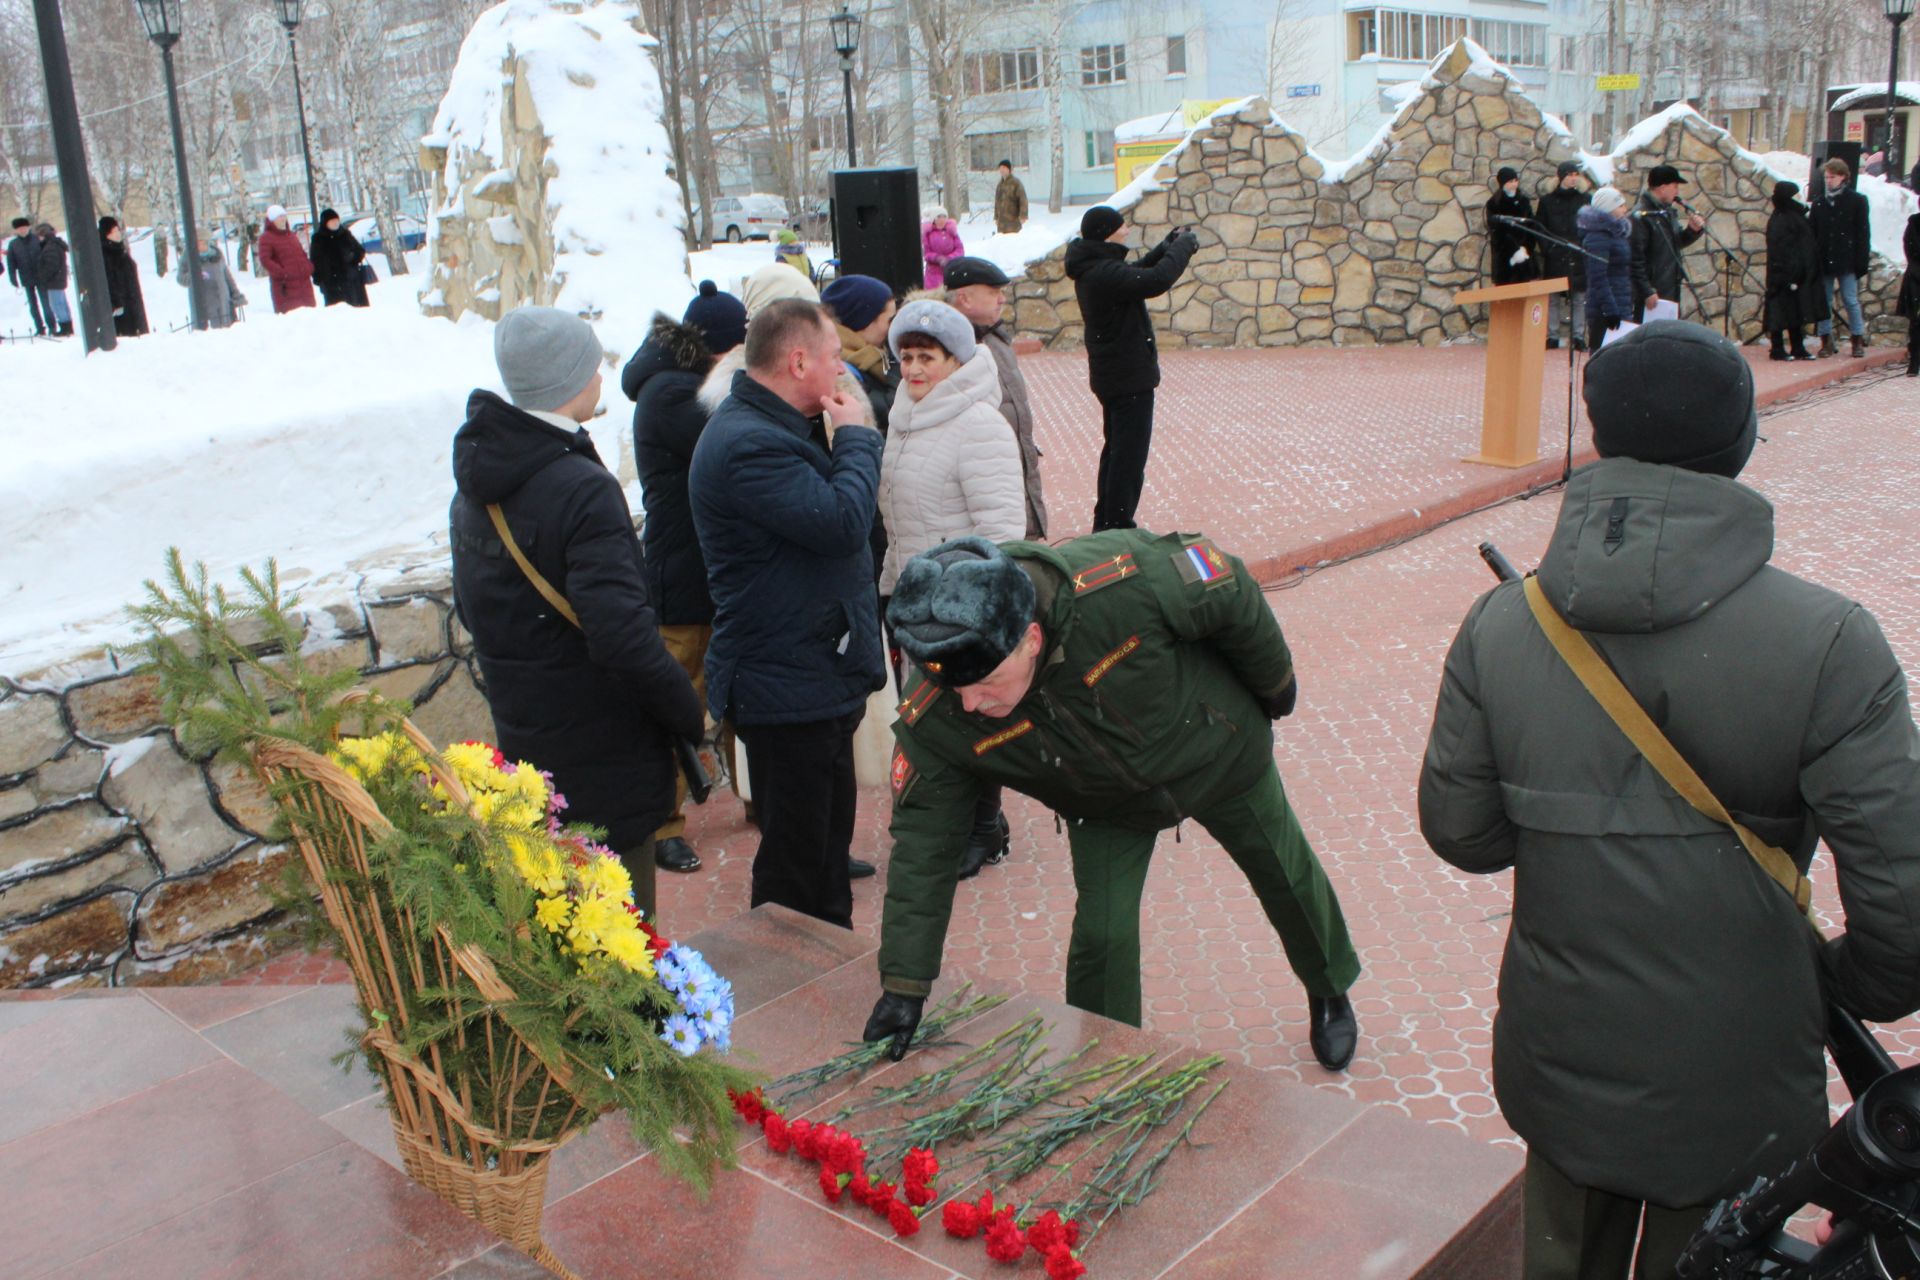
(1840, 224)
(663, 381)
(1660, 1024)
(784, 525)
(1794, 296)
(1658, 238)
(51, 266)
(23, 258)
(1610, 279)
(1504, 241)
(598, 704)
(1560, 216)
(337, 255)
(1909, 301)
(1121, 356)
(123, 289)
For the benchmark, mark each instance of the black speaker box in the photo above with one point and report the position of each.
(876, 225)
(1832, 149)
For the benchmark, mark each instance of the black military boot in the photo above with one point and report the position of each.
(988, 843)
(858, 868)
(1334, 1031)
(675, 854)
(1913, 362)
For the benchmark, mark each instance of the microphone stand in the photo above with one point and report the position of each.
(1729, 259)
(1543, 236)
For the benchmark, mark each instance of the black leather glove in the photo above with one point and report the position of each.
(896, 1016)
(1173, 235)
(1281, 704)
(1610, 322)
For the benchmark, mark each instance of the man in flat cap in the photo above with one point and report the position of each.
(1129, 682)
(1662, 999)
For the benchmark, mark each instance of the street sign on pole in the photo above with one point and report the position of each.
(1617, 83)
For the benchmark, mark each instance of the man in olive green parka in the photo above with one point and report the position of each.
(1659, 1037)
(1128, 681)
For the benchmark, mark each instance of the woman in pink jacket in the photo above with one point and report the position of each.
(939, 244)
(287, 264)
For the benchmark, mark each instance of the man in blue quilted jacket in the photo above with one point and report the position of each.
(783, 485)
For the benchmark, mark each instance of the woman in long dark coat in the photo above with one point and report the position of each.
(1794, 295)
(123, 281)
(1909, 304)
(337, 255)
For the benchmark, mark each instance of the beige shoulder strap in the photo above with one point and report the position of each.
(1618, 703)
(540, 584)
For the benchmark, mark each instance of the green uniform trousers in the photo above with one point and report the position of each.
(1260, 833)
(1577, 1233)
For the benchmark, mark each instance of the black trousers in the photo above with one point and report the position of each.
(1126, 423)
(804, 792)
(1577, 1233)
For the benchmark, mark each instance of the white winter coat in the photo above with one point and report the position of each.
(951, 467)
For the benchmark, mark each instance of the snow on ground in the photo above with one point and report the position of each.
(322, 438)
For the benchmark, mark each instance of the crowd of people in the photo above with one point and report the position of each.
(1622, 258)
(38, 264)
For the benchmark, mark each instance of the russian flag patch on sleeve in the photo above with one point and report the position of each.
(1202, 562)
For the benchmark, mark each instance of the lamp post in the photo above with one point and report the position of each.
(76, 192)
(1898, 11)
(290, 19)
(162, 19)
(846, 41)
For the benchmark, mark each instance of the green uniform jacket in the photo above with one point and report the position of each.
(1143, 713)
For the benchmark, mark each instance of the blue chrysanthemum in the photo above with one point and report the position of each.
(683, 1034)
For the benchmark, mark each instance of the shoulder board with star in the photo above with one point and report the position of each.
(916, 703)
(1104, 574)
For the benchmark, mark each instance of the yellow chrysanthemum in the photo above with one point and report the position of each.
(366, 758)
(605, 877)
(472, 763)
(552, 913)
(594, 919)
(628, 948)
(538, 863)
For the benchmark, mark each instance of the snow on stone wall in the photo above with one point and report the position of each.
(1297, 250)
(553, 175)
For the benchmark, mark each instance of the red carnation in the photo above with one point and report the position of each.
(881, 1196)
(779, 1135)
(904, 1221)
(862, 1189)
(845, 1155)
(803, 1140)
(961, 1218)
(832, 1185)
(1050, 1233)
(751, 1106)
(919, 1195)
(1062, 1265)
(1006, 1242)
(921, 1167)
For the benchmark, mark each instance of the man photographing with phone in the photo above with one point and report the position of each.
(1123, 364)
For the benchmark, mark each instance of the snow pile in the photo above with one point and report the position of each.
(1904, 91)
(614, 205)
(1888, 205)
(316, 437)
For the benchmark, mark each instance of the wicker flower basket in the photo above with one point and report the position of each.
(490, 1167)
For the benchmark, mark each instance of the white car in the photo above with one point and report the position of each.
(748, 217)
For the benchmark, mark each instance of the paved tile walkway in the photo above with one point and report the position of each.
(1369, 638)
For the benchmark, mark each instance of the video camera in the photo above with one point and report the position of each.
(1865, 1171)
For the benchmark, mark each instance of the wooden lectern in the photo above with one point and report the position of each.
(1516, 356)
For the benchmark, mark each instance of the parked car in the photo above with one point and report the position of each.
(366, 230)
(748, 217)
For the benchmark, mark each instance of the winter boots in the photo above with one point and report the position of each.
(1780, 351)
(1859, 346)
(1827, 347)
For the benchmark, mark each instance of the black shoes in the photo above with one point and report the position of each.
(858, 869)
(986, 844)
(1334, 1033)
(1913, 363)
(1859, 347)
(675, 854)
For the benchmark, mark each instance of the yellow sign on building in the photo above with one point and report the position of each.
(1616, 83)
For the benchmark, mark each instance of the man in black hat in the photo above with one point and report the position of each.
(1123, 364)
(1560, 218)
(1658, 238)
(1662, 1016)
(1128, 682)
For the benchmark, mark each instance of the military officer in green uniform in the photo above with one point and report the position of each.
(1128, 681)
